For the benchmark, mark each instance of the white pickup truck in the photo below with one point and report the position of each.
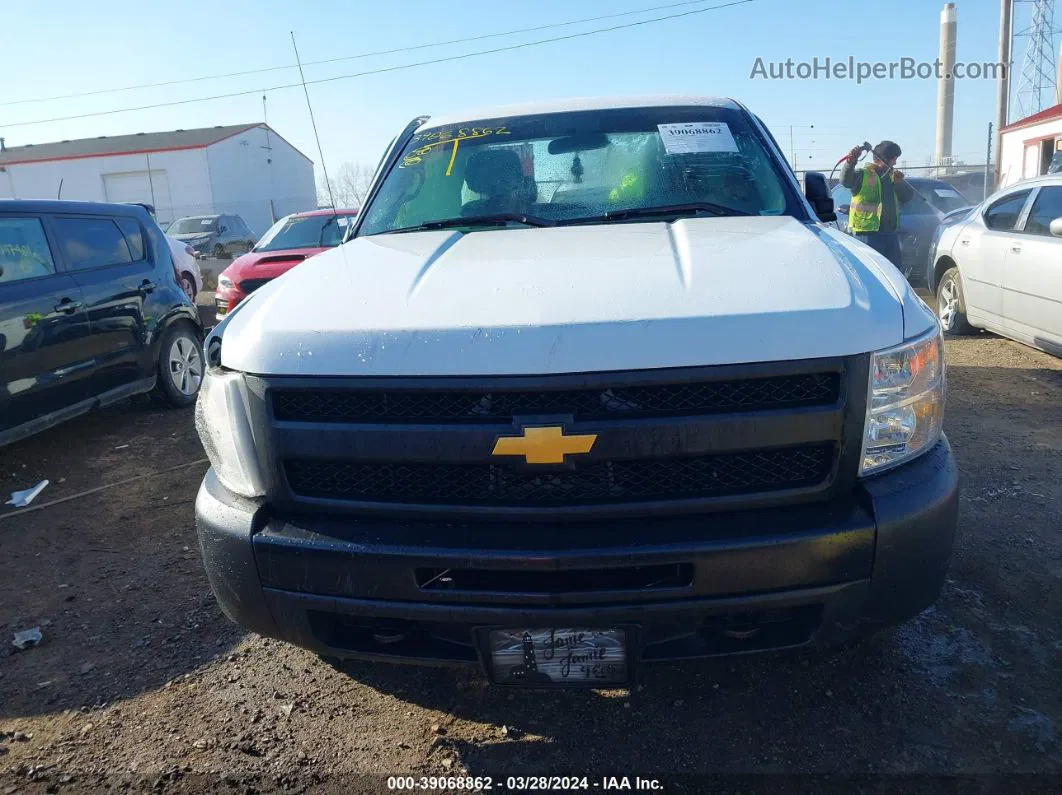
(589, 385)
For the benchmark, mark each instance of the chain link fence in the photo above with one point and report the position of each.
(974, 182)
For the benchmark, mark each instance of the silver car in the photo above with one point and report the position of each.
(1000, 266)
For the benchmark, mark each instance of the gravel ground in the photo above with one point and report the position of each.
(141, 683)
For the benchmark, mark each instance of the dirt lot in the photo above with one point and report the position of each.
(140, 681)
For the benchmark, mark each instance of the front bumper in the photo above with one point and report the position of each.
(813, 574)
(226, 300)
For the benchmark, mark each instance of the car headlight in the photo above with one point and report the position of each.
(221, 418)
(905, 402)
(225, 282)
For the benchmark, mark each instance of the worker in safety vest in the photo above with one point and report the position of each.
(878, 190)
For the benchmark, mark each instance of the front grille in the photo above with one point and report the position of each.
(499, 405)
(620, 481)
(250, 285)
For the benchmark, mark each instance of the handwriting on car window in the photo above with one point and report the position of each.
(436, 141)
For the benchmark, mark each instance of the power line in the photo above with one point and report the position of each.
(313, 121)
(399, 67)
(376, 53)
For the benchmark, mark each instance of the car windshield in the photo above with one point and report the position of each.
(308, 231)
(188, 226)
(581, 167)
(942, 196)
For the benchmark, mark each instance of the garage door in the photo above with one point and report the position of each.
(138, 186)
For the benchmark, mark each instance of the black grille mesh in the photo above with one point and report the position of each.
(682, 399)
(590, 482)
(250, 285)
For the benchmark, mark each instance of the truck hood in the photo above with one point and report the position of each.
(573, 299)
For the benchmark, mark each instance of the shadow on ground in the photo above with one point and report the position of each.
(113, 579)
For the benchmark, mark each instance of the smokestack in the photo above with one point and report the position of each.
(2, 147)
(946, 84)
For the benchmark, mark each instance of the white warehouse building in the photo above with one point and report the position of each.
(1031, 146)
(247, 169)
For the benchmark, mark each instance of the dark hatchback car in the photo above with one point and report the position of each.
(919, 219)
(90, 313)
(220, 236)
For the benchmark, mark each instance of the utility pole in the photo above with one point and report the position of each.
(988, 158)
(269, 161)
(1006, 13)
(792, 151)
(151, 183)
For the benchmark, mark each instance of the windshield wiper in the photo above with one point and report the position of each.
(691, 208)
(498, 219)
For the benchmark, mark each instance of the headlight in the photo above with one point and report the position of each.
(225, 282)
(225, 430)
(905, 403)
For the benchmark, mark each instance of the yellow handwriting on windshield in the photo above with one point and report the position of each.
(434, 142)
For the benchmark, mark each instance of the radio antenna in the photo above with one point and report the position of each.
(320, 151)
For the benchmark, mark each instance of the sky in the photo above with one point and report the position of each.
(115, 44)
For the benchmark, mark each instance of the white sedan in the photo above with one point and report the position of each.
(186, 266)
(1000, 267)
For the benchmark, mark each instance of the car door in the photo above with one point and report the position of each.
(981, 253)
(45, 354)
(918, 221)
(231, 236)
(1032, 282)
(225, 235)
(247, 237)
(116, 278)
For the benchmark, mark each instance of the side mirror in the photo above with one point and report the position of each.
(818, 193)
(1056, 230)
(223, 229)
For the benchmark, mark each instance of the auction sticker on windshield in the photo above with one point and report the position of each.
(692, 137)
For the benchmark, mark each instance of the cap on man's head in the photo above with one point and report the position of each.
(887, 150)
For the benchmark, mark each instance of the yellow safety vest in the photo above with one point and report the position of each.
(631, 189)
(865, 213)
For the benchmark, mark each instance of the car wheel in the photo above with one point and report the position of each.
(219, 251)
(188, 284)
(180, 367)
(951, 308)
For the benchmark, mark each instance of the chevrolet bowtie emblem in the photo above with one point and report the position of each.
(546, 445)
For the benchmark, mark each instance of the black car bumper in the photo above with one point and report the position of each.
(683, 586)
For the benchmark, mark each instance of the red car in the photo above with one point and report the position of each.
(287, 243)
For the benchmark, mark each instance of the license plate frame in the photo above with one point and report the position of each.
(606, 650)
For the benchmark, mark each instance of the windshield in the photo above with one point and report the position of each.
(942, 196)
(309, 231)
(188, 226)
(577, 167)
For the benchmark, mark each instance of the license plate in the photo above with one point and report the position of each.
(559, 657)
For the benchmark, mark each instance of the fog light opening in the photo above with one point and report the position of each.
(388, 636)
(743, 627)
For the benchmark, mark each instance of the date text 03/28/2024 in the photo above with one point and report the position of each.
(522, 783)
